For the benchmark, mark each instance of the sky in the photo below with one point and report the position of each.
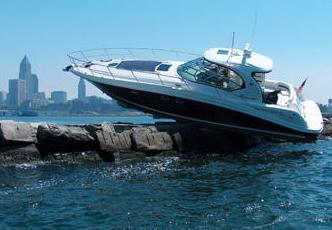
(296, 34)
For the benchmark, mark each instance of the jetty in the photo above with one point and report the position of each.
(22, 142)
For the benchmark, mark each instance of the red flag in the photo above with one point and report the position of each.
(299, 90)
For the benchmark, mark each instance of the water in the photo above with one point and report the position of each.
(278, 186)
(144, 119)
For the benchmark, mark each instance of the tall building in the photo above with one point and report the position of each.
(34, 84)
(59, 97)
(16, 92)
(25, 69)
(39, 100)
(25, 74)
(2, 97)
(31, 80)
(330, 103)
(81, 90)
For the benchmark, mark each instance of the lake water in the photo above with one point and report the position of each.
(88, 120)
(278, 186)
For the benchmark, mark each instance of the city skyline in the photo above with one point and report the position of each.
(32, 82)
(298, 40)
(23, 91)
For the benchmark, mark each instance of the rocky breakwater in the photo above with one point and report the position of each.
(327, 131)
(25, 142)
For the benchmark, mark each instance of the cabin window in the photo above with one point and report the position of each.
(164, 67)
(223, 52)
(208, 73)
(113, 64)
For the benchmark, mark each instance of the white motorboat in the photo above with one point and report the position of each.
(225, 88)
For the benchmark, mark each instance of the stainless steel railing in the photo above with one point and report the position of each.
(86, 57)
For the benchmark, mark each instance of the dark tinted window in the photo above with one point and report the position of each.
(137, 65)
(205, 72)
(164, 67)
(112, 64)
(223, 52)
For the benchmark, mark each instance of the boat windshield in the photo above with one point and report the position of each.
(259, 77)
(205, 72)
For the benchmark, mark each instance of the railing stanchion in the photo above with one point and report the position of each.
(110, 72)
(158, 74)
(132, 72)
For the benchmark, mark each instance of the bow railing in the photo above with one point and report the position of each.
(105, 54)
(99, 57)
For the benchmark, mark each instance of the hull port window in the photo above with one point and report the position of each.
(205, 72)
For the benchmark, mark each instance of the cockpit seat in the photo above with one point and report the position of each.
(271, 97)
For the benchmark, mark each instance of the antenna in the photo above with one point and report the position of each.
(233, 38)
(232, 47)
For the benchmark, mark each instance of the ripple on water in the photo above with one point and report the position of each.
(142, 169)
(270, 186)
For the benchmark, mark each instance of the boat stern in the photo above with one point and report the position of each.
(312, 116)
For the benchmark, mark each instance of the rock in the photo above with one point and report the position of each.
(16, 133)
(327, 131)
(178, 142)
(326, 120)
(144, 129)
(107, 127)
(60, 139)
(120, 127)
(115, 142)
(189, 138)
(149, 139)
(111, 141)
(19, 154)
(91, 128)
(204, 141)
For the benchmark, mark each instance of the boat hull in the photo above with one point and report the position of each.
(204, 114)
